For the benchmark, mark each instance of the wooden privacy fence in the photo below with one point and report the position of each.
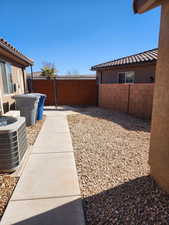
(67, 92)
(135, 99)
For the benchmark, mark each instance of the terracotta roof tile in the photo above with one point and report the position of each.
(143, 57)
(13, 50)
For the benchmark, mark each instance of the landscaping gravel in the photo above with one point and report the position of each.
(33, 131)
(111, 153)
(7, 185)
(7, 181)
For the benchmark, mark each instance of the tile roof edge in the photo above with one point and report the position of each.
(136, 54)
(14, 51)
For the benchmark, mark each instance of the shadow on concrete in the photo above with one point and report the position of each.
(67, 214)
(136, 202)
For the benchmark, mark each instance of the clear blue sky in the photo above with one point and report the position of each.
(77, 34)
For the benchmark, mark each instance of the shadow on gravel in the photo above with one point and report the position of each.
(123, 119)
(136, 202)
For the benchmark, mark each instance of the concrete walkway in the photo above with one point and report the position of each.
(48, 191)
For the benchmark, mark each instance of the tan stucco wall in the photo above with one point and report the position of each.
(17, 78)
(142, 73)
(159, 145)
(25, 81)
(1, 104)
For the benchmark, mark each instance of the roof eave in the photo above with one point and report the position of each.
(23, 58)
(123, 65)
(141, 6)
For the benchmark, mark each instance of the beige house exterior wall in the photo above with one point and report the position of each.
(17, 78)
(142, 73)
(1, 103)
(159, 144)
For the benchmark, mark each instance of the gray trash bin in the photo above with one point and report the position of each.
(27, 104)
(40, 109)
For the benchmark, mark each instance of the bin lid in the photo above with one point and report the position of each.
(38, 94)
(24, 96)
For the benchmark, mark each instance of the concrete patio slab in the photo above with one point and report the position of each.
(52, 149)
(58, 139)
(57, 128)
(48, 191)
(57, 119)
(59, 125)
(46, 176)
(60, 110)
(54, 113)
(55, 211)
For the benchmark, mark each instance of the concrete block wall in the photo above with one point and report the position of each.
(114, 96)
(135, 99)
(141, 100)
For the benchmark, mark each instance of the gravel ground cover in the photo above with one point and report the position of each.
(33, 131)
(7, 181)
(7, 185)
(111, 153)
